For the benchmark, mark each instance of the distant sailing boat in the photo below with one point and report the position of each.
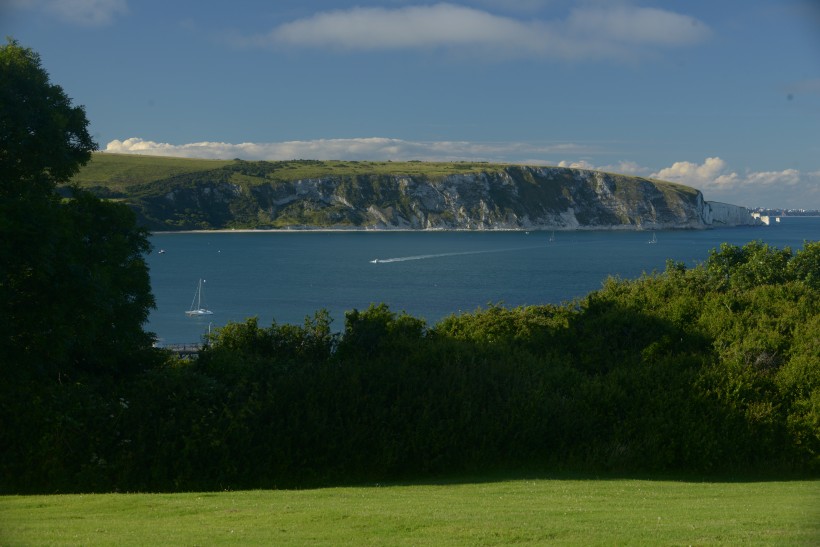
(197, 308)
(552, 237)
(654, 239)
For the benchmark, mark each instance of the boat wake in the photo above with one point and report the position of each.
(442, 255)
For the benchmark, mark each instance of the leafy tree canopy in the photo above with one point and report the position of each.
(44, 140)
(74, 286)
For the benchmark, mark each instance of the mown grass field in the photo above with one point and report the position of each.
(524, 511)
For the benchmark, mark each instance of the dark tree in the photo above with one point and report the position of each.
(74, 286)
(44, 140)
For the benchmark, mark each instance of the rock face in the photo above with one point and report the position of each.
(513, 198)
(724, 214)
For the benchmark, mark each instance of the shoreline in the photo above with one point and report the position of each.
(617, 228)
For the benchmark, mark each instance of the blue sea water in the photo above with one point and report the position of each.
(286, 276)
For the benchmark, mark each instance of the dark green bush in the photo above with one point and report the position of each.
(710, 369)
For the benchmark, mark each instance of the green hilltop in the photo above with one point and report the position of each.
(184, 194)
(119, 172)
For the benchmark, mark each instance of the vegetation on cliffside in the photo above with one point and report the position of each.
(174, 194)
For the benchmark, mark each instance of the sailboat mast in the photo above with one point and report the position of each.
(196, 297)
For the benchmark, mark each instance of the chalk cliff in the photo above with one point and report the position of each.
(724, 214)
(514, 197)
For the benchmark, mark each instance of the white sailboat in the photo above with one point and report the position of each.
(654, 239)
(197, 307)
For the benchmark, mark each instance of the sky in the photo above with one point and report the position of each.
(721, 95)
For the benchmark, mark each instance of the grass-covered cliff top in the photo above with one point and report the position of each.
(119, 171)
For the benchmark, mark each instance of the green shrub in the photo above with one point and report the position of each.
(710, 369)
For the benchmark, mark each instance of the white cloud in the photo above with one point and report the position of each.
(371, 148)
(788, 188)
(587, 33)
(709, 173)
(440, 25)
(785, 178)
(712, 175)
(580, 164)
(515, 5)
(631, 25)
(90, 13)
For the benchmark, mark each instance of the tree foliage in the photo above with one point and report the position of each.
(687, 370)
(74, 286)
(710, 369)
(44, 138)
(74, 291)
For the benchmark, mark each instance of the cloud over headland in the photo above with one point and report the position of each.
(369, 148)
(785, 188)
(788, 188)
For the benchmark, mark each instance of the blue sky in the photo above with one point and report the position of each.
(723, 95)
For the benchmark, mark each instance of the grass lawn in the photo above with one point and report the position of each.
(534, 512)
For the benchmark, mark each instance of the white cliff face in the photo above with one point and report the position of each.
(724, 214)
(515, 198)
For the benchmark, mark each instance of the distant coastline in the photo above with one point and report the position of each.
(356, 229)
(310, 195)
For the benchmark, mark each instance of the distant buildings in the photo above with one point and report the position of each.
(762, 211)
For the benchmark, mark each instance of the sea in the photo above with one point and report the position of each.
(286, 276)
